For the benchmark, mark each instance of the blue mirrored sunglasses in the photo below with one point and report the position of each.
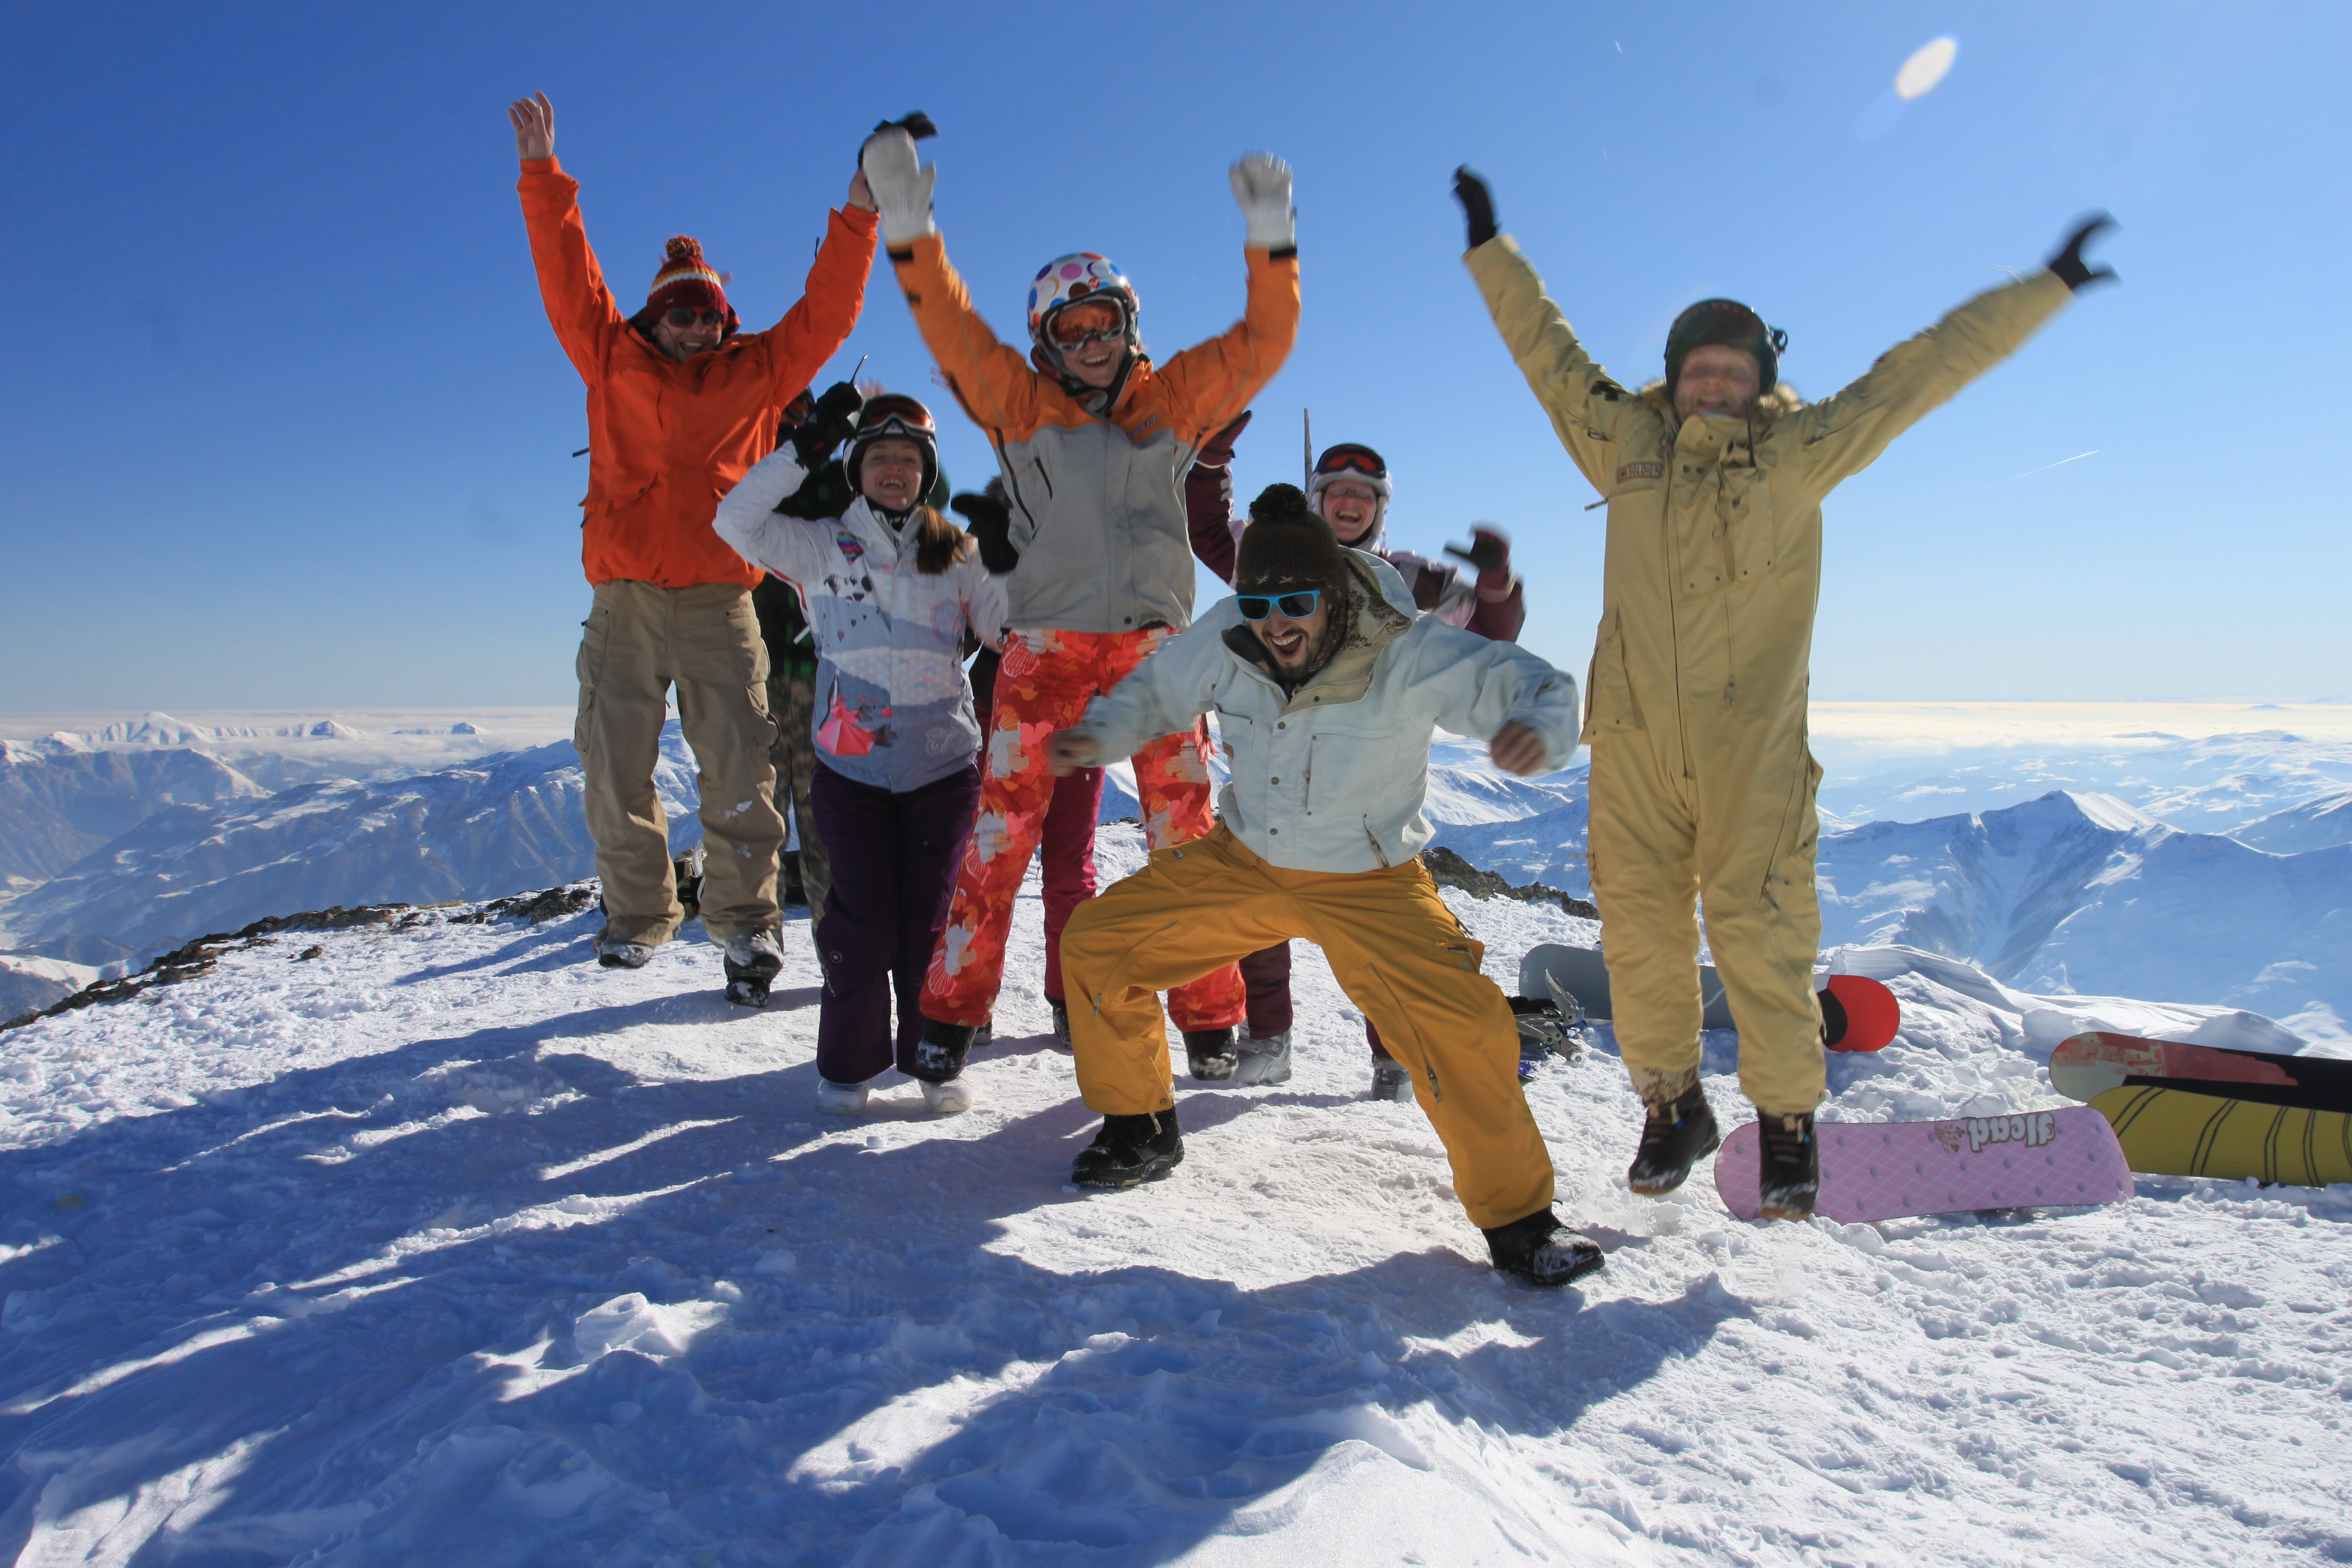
(1296, 604)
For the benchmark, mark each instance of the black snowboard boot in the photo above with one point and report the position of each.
(752, 961)
(1129, 1150)
(1212, 1054)
(1792, 1173)
(1674, 1137)
(940, 1050)
(1542, 1251)
(1061, 1024)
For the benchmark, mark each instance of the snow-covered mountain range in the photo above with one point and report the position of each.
(124, 842)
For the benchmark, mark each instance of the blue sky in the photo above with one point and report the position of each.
(282, 423)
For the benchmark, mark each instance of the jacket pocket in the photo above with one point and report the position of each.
(1348, 762)
(1610, 707)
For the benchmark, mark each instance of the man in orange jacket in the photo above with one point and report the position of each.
(680, 406)
(1093, 439)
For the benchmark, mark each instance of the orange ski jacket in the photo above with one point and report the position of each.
(666, 438)
(1098, 501)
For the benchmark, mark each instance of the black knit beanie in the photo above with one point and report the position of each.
(1287, 546)
(1733, 324)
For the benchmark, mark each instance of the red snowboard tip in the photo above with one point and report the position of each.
(1871, 1013)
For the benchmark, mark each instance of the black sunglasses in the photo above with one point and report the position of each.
(686, 316)
(1296, 604)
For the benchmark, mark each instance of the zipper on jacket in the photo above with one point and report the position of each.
(1375, 837)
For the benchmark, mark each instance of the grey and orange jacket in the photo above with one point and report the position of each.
(1098, 501)
(666, 438)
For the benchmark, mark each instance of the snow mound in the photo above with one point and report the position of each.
(2320, 824)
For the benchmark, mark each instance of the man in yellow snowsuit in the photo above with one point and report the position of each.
(1703, 781)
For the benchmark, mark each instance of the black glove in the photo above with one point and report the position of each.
(1477, 206)
(990, 521)
(829, 424)
(2067, 264)
(1487, 551)
(916, 125)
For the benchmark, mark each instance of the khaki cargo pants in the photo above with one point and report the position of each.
(704, 640)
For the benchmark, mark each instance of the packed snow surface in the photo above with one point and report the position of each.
(444, 1246)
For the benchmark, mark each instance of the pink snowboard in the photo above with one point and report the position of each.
(1888, 1170)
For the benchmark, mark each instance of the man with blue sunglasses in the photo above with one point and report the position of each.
(1328, 687)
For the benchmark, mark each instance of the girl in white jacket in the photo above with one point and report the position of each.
(891, 588)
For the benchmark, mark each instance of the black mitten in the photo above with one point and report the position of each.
(990, 521)
(1477, 206)
(2067, 264)
(829, 424)
(916, 125)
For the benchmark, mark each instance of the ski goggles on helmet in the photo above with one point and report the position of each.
(1350, 460)
(895, 413)
(1296, 604)
(684, 316)
(1083, 321)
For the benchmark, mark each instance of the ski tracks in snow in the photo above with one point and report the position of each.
(447, 1245)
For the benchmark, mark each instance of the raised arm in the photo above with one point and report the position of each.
(996, 383)
(1845, 433)
(790, 547)
(570, 284)
(1584, 404)
(816, 326)
(1213, 383)
(1209, 501)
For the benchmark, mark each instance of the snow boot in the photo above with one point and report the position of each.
(1392, 1081)
(614, 953)
(840, 1099)
(1792, 1173)
(1542, 1251)
(940, 1053)
(1129, 1150)
(1061, 1024)
(752, 961)
(1210, 1054)
(950, 1098)
(1263, 1061)
(1674, 1137)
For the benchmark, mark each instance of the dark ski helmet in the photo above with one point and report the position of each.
(894, 414)
(1732, 325)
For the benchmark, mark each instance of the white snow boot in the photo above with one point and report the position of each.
(840, 1099)
(952, 1097)
(1263, 1061)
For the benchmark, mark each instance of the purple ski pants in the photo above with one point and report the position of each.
(894, 860)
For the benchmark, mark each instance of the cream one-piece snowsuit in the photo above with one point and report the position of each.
(1703, 781)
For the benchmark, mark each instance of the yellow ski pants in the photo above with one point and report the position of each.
(1740, 836)
(1398, 952)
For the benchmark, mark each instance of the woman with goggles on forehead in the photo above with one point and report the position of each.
(1328, 687)
(1093, 439)
(891, 587)
(1351, 491)
(680, 406)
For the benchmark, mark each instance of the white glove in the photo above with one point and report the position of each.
(1261, 186)
(902, 189)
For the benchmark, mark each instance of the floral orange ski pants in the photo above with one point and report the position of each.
(1044, 683)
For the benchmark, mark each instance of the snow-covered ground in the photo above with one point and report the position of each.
(444, 1246)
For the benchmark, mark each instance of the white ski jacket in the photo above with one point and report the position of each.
(893, 707)
(1332, 777)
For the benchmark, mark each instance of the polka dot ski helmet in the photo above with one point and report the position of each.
(1081, 275)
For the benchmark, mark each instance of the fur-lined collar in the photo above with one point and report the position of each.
(1347, 673)
(1767, 407)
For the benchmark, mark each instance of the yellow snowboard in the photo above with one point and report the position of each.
(2172, 1133)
